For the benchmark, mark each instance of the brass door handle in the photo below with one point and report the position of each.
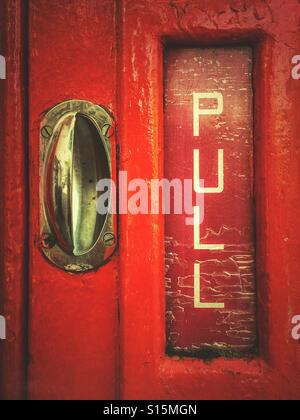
(75, 154)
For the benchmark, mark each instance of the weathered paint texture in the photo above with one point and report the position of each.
(13, 197)
(271, 28)
(72, 55)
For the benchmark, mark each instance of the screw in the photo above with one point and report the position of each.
(109, 239)
(47, 132)
(48, 241)
(106, 128)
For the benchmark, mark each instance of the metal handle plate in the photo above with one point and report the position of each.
(75, 154)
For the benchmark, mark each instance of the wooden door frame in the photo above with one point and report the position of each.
(145, 29)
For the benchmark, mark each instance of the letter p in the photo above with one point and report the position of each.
(202, 111)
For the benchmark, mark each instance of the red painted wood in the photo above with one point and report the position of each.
(73, 325)
(227, 276)
(271, 28)
(73, 339)
(13, 193)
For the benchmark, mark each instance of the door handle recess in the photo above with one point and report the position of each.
(75, 153)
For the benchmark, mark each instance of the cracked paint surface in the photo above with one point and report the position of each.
(227, 276)
(271, 27)
(84, 306)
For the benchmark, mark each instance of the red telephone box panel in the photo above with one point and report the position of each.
(91, 335)
(210, 274)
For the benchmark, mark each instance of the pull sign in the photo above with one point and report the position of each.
(75, 155)
(210, 267)
(2, 328)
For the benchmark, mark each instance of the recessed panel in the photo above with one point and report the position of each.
(210, 265)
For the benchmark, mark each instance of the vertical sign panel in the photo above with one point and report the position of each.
(73, 322)
(210, 265)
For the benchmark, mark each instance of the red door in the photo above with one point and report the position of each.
(70, 349)
(198, 89)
